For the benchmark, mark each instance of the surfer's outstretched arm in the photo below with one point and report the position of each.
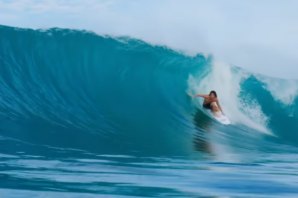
(201, 95)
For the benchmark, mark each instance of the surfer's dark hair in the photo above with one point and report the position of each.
(213, 92)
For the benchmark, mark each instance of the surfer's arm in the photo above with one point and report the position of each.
(201, 95)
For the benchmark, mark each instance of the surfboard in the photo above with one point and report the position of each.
(223, 119)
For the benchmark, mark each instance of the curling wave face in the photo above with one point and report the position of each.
(74, 89)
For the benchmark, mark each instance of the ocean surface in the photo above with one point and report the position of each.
(84, 115)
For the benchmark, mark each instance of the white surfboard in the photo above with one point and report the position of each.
(222, 118)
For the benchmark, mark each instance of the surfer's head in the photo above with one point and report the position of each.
(213, 94)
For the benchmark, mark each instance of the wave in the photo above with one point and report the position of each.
(75, 89)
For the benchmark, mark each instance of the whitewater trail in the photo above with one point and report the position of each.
(226, 81)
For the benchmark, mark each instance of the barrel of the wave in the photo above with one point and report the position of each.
(80, 90)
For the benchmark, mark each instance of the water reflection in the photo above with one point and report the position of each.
(203, 125)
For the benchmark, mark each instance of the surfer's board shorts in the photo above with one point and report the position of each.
(208, 106)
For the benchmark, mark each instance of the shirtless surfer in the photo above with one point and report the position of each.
(211, 102)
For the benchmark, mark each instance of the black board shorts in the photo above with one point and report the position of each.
(207, 106)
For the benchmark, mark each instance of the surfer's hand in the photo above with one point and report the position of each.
(190, 94)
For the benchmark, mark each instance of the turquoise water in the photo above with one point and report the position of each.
(84, 115)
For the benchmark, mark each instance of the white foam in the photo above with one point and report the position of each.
(226, 83)
(284, 91)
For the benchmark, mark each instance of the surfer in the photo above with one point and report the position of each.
(211, 102)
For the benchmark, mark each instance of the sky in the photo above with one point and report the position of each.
(258, 35)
